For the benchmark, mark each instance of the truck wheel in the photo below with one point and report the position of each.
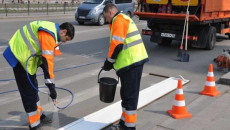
(101, 20)
(211, 41)
(165, 41)
(229, 36)
(81, 23)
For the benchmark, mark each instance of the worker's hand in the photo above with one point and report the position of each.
(55, 101)
(107, 65)
(53, 93)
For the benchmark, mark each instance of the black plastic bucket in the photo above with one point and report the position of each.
(107, 88)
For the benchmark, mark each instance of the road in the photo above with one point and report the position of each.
(89, 45)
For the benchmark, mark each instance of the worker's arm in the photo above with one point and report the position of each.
(47, 46)
(120, 28)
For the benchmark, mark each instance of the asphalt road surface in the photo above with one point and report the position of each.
(90, 44)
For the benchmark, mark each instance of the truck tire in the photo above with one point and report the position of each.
(165, 41)
(211, 41)
(229, 36)
(81, 23)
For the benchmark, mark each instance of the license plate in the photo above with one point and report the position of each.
(82, 17)
(168, 35)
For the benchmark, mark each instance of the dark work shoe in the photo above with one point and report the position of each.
(117, 127)
(39, 128)
(46, 120)
(36, 128)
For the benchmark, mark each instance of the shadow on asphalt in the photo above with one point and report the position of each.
(158, 112)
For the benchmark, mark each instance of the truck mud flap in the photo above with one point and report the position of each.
(202, 38)
(156, 37)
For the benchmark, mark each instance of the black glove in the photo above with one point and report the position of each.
(53, 93)
(107, 65)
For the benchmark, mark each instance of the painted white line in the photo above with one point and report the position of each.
(5, 68)
(102, 29)
(96, 53)
(90, 55)
(90, 30)
(6, 127)
(3, 46)
(4, 83)
(99, 119)
(8, 98)
(58, 58)
(21, 119)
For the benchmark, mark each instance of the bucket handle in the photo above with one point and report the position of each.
(99, 76)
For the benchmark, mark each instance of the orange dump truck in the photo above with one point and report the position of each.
(165, 20)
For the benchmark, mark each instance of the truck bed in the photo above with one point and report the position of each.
(147, 15)
(206, 11)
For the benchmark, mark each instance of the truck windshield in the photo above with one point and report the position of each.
(92, 1)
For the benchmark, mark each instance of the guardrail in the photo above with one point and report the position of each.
(37, 8)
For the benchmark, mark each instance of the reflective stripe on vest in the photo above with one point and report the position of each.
(133, 49)
(132, 34)
(132, 44)
(33, 36)
(25, 42)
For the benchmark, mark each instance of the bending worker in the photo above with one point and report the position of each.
(36, 38)
(127, 56)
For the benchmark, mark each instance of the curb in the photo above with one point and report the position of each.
(225, 79)
(36, 16)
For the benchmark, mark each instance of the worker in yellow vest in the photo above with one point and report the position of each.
(127, 56)
(36, 38)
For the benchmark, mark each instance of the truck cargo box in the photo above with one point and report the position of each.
(201, 11)
(217, 5)
(184, 2)
(157, 1)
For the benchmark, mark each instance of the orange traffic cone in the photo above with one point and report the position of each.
(179, 109)
(57, 51)
(210, 85)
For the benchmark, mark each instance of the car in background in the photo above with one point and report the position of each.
(92, 10)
